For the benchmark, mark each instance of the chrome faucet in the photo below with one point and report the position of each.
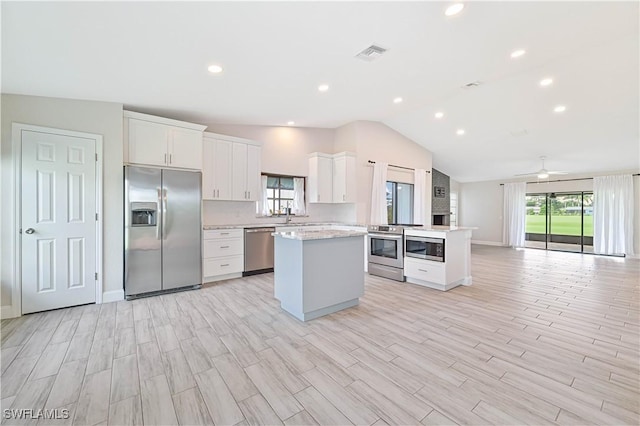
(288, 218)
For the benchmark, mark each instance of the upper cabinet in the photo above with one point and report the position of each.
(320, 180)
(216, 168)
(344, 178)
(157, 141)
(332, 178)
(232, 168)
(246, 171)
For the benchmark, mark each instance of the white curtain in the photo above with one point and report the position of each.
(263, 203)
(379, 194)
(298, 197)
(514, 213)
(419, 186)
(613, 215)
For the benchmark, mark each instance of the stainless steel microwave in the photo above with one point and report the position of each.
(424, 248)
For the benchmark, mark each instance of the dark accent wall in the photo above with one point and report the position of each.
(440, 201)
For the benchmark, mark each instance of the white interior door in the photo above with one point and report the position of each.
(58, 221)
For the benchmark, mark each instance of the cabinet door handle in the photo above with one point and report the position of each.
(249, 197)
(224, 233)
(343, 197)
(422, 270)
(224, 246)
(170, 157)
(165, 159)
(225, 264)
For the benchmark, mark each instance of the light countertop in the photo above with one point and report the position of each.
(318, 235)
(278, 225)
(439, 228)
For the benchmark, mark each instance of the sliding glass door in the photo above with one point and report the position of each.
(560, 221)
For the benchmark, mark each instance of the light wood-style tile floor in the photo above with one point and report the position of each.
(540, 338)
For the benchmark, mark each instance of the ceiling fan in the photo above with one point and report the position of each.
(543, 173)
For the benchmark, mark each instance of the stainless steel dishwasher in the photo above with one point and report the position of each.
(258, 250)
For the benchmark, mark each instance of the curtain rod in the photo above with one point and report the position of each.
(567, 180)
(398, 167)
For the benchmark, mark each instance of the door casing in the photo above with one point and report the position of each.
(16, 287)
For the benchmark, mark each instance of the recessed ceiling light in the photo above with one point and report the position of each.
(439, 115)
(323, 88)
(397, 100)
(460, 132)
(215, 69)
(517, 53)
(546, 81)
(291, 123)
(560, 108)
(454, 9)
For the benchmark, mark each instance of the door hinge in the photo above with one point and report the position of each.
(96, 275)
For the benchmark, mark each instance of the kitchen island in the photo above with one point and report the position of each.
(438, 257)
(318, 272)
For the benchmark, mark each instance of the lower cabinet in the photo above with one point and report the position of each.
(425, 270)
(454, 271)
(223, 254)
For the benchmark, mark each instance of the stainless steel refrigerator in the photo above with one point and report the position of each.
(162, 241)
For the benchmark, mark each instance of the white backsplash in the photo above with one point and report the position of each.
(244, 213)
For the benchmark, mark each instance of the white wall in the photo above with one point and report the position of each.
(480, 203)
(636, 221)
(377, 142)
(104, 118)
(285, 151)
(244, 213)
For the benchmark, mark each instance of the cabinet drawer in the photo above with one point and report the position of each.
(223, 233)
(223, 265)
(223, 247)
(425, 270)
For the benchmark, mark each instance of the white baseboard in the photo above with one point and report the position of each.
(112, 296)
(7, 311)
(488, 243)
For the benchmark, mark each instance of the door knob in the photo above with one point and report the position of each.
(29, 231)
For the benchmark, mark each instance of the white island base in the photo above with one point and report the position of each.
(318, 272)
(456, 268)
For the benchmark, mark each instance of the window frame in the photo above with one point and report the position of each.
(394, 198)
(272, 200)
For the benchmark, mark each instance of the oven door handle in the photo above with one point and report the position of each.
(386, 237)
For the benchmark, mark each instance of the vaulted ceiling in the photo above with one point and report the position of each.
(153, 57)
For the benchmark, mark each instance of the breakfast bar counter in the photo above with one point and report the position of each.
(318, 272)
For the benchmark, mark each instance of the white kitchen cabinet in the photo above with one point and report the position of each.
(254, 167)
(344, 178)
(216, 170)
(456, 268)
(231, 168)
(157, 141)
(223, 254)
(320, 179)
(332, 178)
(246, 172)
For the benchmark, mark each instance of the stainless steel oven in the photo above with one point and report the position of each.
(424, 248)
(385, 251)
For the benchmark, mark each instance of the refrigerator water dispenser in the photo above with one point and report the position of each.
(143, 214)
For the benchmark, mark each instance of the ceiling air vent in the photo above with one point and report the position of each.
(472, 85)
(370, 53)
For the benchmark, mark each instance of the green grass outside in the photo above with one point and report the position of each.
(560, 225)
